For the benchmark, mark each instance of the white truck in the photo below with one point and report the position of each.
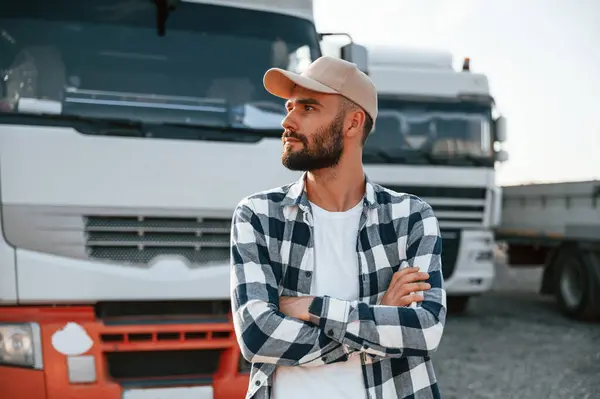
(437, 137)
(129, 130)
(557, 226)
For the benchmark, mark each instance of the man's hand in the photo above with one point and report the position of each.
(295, 306)
(403, 286)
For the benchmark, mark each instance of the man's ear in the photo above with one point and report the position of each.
(355, 124)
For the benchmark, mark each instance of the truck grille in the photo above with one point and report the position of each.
(163, 364)
(455, 207)
(138, 240)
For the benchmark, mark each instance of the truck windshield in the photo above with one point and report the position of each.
(105, 59)
(448, 133)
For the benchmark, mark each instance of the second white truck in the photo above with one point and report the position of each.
(435, 137)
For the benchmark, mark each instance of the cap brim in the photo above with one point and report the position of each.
(281, 83)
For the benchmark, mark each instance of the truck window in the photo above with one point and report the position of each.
(104, 59)
(431, 133)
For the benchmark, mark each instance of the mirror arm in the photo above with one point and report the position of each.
(322, 35)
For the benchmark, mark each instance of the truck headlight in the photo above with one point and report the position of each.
(20, 345)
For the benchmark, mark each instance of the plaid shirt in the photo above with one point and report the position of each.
(272, 255)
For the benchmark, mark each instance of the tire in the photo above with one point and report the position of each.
(577, 286)
(457, 304)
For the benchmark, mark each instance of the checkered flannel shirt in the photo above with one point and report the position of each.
(272, 255)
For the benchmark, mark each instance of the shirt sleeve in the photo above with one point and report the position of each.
(390, 331)
(264, 334)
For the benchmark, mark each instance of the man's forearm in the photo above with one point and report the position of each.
(385, 331)
(341, 321)
(296, 306)
(338, 318)
(381, 331)
(271, 337)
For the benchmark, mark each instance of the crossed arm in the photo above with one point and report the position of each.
(324, 330)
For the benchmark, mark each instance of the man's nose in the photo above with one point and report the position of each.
(289, 122)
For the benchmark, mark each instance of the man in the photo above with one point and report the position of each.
(326, 271)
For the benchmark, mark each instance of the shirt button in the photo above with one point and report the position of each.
(308, 273)
(257, 383)
(330, 332)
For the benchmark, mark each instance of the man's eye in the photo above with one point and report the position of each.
(308, 108)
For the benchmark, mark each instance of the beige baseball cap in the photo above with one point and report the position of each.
(326, 75)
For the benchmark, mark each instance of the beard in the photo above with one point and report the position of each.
(325, 152)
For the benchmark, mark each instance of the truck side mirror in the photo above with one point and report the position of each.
(500, 129)
(358, 55)
(350, 52)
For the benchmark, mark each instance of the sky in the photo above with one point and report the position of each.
(542, 59)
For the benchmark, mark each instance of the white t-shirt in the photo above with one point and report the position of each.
(335, 274)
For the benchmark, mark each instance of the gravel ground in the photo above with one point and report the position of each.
(513, 343)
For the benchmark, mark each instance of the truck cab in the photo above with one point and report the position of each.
(129, 130)
(437, 136)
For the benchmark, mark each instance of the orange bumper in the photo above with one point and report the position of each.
(110, 342)
(20, 383)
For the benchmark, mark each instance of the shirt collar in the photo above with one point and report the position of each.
(296, 195)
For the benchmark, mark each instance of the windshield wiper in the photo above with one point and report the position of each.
(463, 159)
(137, 128)
(212, 132)
(400, 156)
(222, 128)
(428, 156)
(84, 124)
(479, 160)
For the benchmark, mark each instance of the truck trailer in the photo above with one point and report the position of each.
(556, 226)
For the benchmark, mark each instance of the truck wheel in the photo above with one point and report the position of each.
(577, 284)
(457, 304)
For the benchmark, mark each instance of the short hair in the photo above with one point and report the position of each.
(349, 105)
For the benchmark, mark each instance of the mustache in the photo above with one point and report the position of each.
(294, 135)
